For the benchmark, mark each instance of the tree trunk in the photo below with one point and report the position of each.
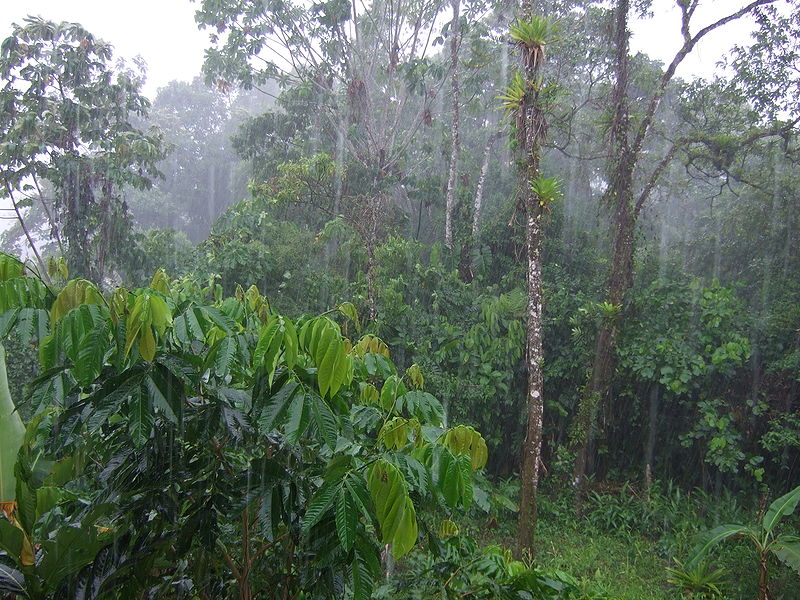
(763, 573)
(530, 137)
(619, 196)
(455, 35)
(652, 424)
(371, 300)
(476, 213)
(626, 146)
(532, 449)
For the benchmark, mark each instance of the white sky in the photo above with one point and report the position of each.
(163, 32)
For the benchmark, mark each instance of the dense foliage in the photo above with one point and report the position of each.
(354, 232)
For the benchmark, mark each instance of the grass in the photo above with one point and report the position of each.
(626, 568)
(624, 547)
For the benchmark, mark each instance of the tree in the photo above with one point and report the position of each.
(364, 76)
(66, 119)
(260, 450)
(527, 100)
(202, 174)
(765, 538)
(630, 185)
(455, 143)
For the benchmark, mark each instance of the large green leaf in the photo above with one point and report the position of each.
(166, 391)
(10, 267)
(465, 440)
(357, 489)
(365, 569)
(268, 347)
(67, 552)
(274, 407)
(140, 418)
(319, 505)
(33, 325)
(324, 343)
(298, 417)
(76, 293)
(325, 420)
(220, 319)
(711, 538)
(782, 507)
(422, 406)
(91, 354)
(12, 432)
(392, 388)
(12, 539)
(394, 509)
(452, 483)
(22, 292)
(223, 354)
(787, 549)
(11, 580)
(346, 513)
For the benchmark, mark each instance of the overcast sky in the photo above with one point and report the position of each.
(163, 32)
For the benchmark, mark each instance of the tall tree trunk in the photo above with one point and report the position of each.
(620, 196)
(478, 206)
(626, 145)
(531, 129)
(455, 41)
(650, 445)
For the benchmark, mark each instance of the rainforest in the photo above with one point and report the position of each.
(402, 299)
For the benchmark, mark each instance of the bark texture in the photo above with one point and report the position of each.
(450, 201)
(531, 130)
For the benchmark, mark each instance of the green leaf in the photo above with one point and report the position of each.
(165, 390)
(348, 309)
(74, 294)
(47, 497)
(318, 506)
(10, 267)
(346, 518)
(91, 355)
(782, 507)
(451, 483)
(787, 549)
(12, 433)
(365, 569)
(275, 407)
(357, 490)
(290, 343)
(220, 319)
(709, 539)
(394, 509)
(422, 406)
(147, 344)
(326, 422)
(11, 581)
(67, 552)
(268, 347)
(224, 353)
(298, 418)
(392, 388)
(140, 418)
